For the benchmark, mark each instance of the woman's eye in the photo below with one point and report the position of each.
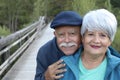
(103, 35)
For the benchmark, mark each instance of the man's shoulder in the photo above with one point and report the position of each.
(49, 44)
(49, 47)
(48, 50)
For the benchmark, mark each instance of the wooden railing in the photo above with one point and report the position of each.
(12, 46)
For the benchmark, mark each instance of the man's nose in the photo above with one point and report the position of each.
(67, 39)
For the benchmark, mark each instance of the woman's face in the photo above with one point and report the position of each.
(95, 42)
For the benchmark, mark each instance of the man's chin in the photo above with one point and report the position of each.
(68, 53)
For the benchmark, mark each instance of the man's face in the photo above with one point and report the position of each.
(68, 38)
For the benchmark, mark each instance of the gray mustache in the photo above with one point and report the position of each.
(68, 44)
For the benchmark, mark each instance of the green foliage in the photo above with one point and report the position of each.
(108, 5)
(4, 31)
(117, 14)
(115, 3)
(83, 6)
(50, 8)
(116, 42)
(100, 3)
(15, 13)
(55, 6)
(39, 9)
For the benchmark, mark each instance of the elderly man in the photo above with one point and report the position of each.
(67, 40)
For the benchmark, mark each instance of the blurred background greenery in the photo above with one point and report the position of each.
(15, 14)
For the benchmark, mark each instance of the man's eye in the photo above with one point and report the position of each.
(72, 33)
(60, 35)
(90, 34)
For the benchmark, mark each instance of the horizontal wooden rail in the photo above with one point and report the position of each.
(13, 37)
(26, 35)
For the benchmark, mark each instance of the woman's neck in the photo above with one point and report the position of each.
(91, 61)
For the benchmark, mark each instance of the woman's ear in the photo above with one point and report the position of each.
(110, 43)
(82, 39)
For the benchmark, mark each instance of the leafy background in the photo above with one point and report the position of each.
(15, 14)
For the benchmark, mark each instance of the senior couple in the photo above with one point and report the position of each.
(81, 48)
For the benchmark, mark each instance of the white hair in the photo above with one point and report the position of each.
(100, 19)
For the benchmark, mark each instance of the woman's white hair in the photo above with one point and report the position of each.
(100, 19)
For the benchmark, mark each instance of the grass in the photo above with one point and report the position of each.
(4, 31)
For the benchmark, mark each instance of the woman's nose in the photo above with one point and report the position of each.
(96, 39)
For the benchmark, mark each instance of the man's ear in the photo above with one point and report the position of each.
(54, 33)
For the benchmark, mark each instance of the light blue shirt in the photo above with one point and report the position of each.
(97, 73)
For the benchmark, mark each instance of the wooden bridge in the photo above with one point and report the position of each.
(21, 64)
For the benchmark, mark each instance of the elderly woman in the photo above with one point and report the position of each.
(95, 59)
